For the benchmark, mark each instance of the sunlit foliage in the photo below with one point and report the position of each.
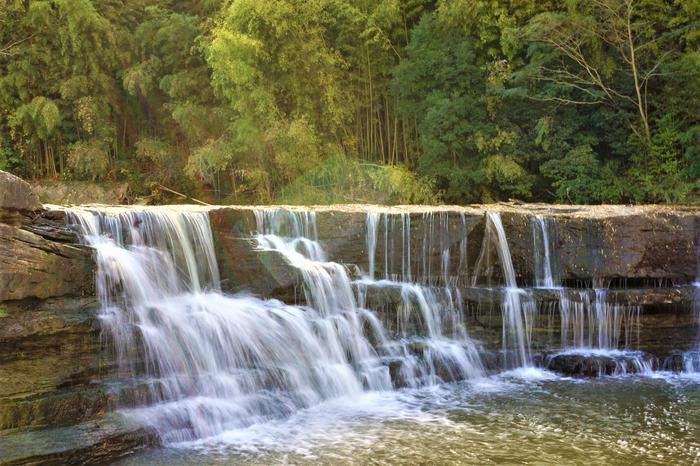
(387, 101)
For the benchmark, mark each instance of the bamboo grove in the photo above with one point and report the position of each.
(387, 101)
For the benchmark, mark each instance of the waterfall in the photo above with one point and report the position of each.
(588, 320)
(542, 253)
(597, 323)
(421, 253)
(419, 348)
(517, 306)
(371, 223)
(213, 362)
(691, 359)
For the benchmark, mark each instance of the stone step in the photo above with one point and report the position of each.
(98, 441)
(70, 405)
(31, 329)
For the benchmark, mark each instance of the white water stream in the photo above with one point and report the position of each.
(215, 363)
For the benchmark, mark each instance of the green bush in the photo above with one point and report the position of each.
(11, 161)
(88, 160)
(342, 180)
(575, 178)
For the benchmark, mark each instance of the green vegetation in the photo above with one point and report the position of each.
(392, 101)
(3, 312)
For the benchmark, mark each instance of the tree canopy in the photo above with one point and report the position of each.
(391, 101)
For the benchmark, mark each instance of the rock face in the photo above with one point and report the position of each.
(40, 257)
(16, 194)
(614, 246)
(613, 243)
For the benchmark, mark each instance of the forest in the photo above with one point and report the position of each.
(340, 101)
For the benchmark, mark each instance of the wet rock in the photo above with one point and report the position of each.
(596, 364)
(242, 267)
(56, 408)
(32, 329)
(675, 362)
(70, 404)
(17, 194)
(34, 265)
(51, 362)
(95, 442)
(395, 366)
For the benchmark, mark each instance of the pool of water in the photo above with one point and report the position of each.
(526, 415)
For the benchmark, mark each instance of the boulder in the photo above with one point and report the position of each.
(598, 363)
(17, 194)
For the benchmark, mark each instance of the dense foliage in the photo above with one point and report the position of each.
(391, 101)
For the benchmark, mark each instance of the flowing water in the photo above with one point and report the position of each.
(336, 379)
(421, 352)
(691, 359)
(215, 362)
(542, 253)
(517, 306)
(509, 419)
(591, 326)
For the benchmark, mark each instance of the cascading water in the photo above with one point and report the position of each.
(371, 222)
(352, 372)
(407, 254)
(585, 322)
(596, 323)
(422, 353)
(590, 325)
(691, 359)
(215, 362)
(517, 306)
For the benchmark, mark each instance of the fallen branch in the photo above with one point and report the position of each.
(160, 186)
